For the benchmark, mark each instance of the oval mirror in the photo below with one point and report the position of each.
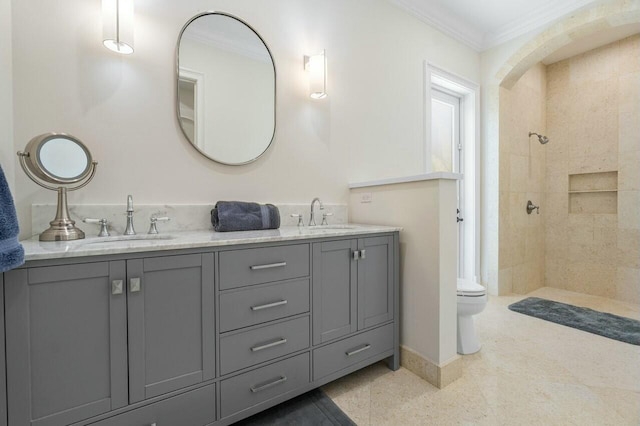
(58, 158)
(226, 88)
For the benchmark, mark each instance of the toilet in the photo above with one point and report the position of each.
(472, 299)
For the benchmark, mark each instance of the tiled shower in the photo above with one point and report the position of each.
(586, 179)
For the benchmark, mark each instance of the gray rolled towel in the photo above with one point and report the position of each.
(242, 216)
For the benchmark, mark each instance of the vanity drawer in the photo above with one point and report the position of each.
(256, 305)
(251, 347)
(336, 356)
(254, 387)
(193, 408)
(263, 265)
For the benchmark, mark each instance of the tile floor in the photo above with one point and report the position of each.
(528, 372)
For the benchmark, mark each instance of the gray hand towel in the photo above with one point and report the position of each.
(11, 251)
(242, 216)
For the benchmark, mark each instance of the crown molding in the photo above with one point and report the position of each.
(538, 19)
(444, 21)
(459, 29)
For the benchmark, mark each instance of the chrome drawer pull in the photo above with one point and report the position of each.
(269, 266)
(269, 305)
(357, 351)
(255, 389)
(363, 254)
(269, 345)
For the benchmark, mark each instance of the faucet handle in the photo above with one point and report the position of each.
(324, 218)
(152, 228)
(299, 216)
(104, 225)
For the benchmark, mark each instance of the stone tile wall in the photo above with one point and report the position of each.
(522, 178)
(592, 241)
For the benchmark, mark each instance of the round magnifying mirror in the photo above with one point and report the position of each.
(58, 158)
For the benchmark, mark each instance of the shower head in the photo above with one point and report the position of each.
(542, 139)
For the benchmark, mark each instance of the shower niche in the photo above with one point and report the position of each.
(593, 193)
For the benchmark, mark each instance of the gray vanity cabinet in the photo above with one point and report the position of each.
(335, 280)
(352, 286)
(171, 323)
(66, 343)
(193, 337)
(375, 281)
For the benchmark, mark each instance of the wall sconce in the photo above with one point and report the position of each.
(117, 25)
(316, 65)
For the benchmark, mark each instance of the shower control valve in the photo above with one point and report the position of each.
(531, 207)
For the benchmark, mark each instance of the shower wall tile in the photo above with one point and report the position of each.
(597, 65)
(629, 131)
(630, 55)
(629, 209)
(629, 93)
(518, 170)
(557, 208)
(592, 117)
(629, 170)
(522, 170)
(606, 162)
(556, 182)
(505, 278)
(627, 280)
(555, 272)
(594, 279)
(505, 169)
(629, 248)
(557, 241)
(580, 235)
(557, 85)
(605, 220)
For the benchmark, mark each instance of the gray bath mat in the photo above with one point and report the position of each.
(608, 325)
(313, 408)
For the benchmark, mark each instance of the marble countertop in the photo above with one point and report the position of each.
(119, 244)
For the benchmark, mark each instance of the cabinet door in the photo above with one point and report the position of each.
(3, 377)
(334, 290)
(171, 328)
(66, 343)
(375, 281)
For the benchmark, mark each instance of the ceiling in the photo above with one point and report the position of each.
(483, 24)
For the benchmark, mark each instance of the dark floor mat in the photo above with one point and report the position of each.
(608, 325)
(313, 408)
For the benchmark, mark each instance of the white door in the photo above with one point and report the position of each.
(446, 150)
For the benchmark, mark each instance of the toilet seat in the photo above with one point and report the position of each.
(470, 289)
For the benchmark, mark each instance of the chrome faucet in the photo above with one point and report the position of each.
(312, 218)
(129, 230)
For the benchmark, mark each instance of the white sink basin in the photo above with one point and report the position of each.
(328, 228)
(120, 238)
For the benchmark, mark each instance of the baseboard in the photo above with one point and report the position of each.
(439, 376)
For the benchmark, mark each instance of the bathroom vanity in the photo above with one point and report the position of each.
(194, 328)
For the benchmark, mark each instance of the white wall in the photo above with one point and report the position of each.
(7, 153)
(124, 107)
(428, 248)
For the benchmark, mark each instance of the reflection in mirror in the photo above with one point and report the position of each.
(226, 89)
(63, 158)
